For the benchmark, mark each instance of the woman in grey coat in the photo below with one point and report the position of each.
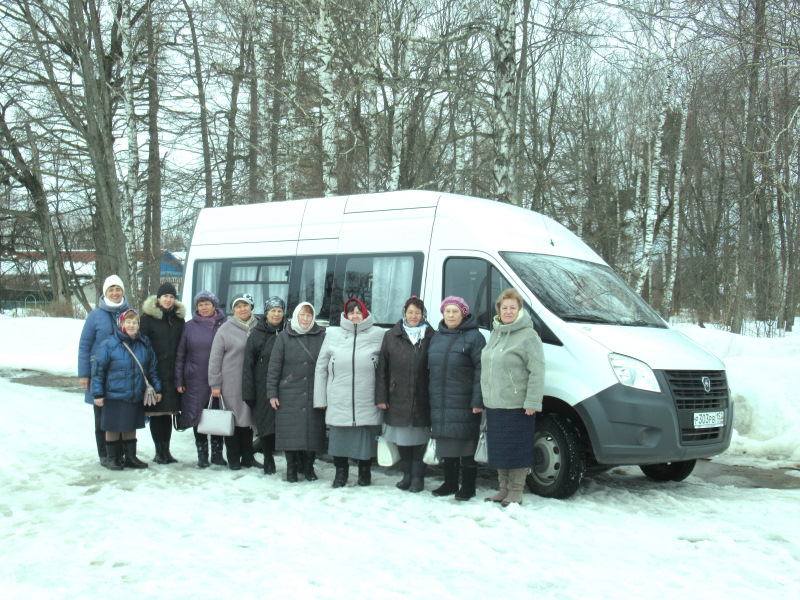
(225, 379)
(299, 429)
(345, 387)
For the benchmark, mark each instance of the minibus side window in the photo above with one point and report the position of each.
(316, 280)
(207, 276)
(259, 279)
(478, 282)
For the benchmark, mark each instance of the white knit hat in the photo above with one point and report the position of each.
(112, 280)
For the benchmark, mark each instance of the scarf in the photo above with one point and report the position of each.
(295, 321)
(414, 333)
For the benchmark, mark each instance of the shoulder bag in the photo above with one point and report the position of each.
(150, 398)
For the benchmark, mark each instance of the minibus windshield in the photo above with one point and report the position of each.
(581, 291)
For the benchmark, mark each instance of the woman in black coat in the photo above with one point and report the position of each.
(162, 322)
(454, 360)
(299, 429)
(254, 376)
(401, 390)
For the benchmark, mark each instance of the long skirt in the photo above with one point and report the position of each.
(447, 447)
(358, 443)
(119, 415)
(509, 438)
(407, 436)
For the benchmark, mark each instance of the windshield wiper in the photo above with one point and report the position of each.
(586, 319)
(640, 323)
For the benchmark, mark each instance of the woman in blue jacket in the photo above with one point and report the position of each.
(99, 326)
(118, 387)
(454, 361)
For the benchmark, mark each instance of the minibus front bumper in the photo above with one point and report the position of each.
(692, 417)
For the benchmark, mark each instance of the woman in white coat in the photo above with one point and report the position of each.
(345, 387)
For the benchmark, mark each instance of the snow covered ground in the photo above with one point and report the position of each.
(71, 529)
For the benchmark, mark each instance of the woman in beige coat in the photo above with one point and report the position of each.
(512, 384)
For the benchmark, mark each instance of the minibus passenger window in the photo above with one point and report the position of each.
(315, 286)
(207, 275)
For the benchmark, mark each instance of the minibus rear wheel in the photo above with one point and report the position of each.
(558, 463)
(671, 471)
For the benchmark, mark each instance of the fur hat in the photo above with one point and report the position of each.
(459, 302)
(112, 280)
(274, 302)
(206, 295)
(246, 297)
(166, 288)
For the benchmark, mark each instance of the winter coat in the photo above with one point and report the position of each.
(225, 368)
(402, 378)
(512, 374)
(345, 374)
(100, 325)
(254, 374)
(454, 361)
(191, 364)
(164, 329)
(117, 376)
(290, 379)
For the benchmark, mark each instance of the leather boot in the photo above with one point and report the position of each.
(365, 472)
(308, 467)
(469, 473)
(130, 455)
(100, 437)
(502, 480)
(233, 450)
(342, 471)
(167, 438)
(450, 485)
(417, 476)
(405, 482)
(160, 458)
(291, 466)
(268, 449)
(516, 482)
(301, 462)
(246, 447)
(202, 454)
(216, 452)
(113, 455)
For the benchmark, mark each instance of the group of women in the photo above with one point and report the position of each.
(290, 379)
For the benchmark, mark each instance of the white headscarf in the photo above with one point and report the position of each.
(295, 321)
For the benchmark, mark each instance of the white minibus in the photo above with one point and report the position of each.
(621, 386)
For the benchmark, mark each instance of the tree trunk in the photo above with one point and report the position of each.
(154, 248)
(503, 117)
(328, 102)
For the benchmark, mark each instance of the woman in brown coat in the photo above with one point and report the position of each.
(401, 390)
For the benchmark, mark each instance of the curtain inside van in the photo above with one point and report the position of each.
(392, 277)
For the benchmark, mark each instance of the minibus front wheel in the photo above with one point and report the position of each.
(671, 471)
(558, 463)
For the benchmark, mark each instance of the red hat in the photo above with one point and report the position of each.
(459, 302)
(122, 317)
(364, 311)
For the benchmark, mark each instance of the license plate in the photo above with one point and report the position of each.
(704, 420)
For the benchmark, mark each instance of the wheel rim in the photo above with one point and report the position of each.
(546, 460)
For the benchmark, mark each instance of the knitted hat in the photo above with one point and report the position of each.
(274, 302)
(124, 315)
(206, 295)
(459, 302)
(246, 297)
(166, 288)
(112, 280)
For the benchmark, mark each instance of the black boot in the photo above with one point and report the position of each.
(268, 448)
(301, 462)
(216, 451)
(166, 439)
(417, 476)
(405, 482)
(202, 454)
(308, 467)
(365, 472)
(291, 466)
(342, 465)
(130, 455)
(469, 473)
(160, 458)
(450, 485)
(246, 447)
(113, 455)
(100, 437)
(233, 450)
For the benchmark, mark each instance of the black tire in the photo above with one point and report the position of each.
(671, 471)
(558, 462)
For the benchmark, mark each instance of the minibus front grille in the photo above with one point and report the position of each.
(689, 389)
(701, 435)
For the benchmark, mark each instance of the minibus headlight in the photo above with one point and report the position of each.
(634, 373)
